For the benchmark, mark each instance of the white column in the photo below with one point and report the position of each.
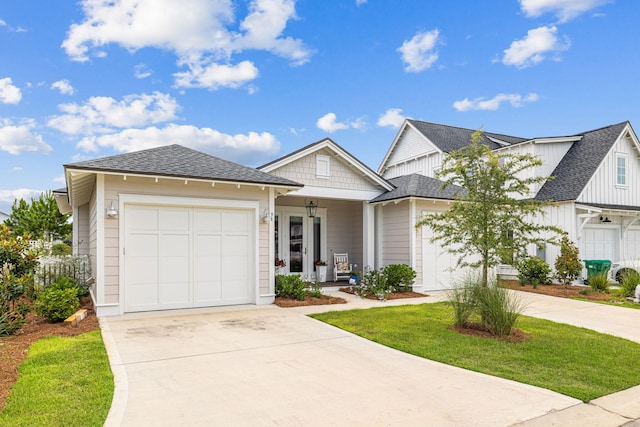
(368, 235)
(100, 214)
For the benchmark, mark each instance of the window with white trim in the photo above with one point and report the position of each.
(621, 169)
(323, 166)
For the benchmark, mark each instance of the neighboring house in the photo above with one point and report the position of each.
(3, 216)
(171, 227)
(596, 185)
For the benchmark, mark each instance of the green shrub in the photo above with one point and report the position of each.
(61, 249)
(56, 304)
(497, 309)
(17, 262)
(68, 283)
(400, 276)
(534, 271)
(373, 283)
(290, 286)
(629, 280)
(462, 301)
(568, 265)
(599, 282)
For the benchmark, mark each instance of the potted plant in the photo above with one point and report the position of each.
(280, 265)
(321, 270)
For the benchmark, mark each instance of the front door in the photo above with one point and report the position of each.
(300, 240)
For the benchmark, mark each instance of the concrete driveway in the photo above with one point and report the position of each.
(267, 366)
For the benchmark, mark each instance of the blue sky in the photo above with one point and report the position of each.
(252, 80)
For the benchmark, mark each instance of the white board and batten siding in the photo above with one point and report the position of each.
(412, 153)
(602, 188)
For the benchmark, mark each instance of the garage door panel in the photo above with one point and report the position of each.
(632, 244)
(599, 243)
(196, 257)
(142, 218)
(207, 220)
(236, 221)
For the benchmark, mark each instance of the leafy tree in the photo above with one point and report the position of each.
(568, 265)
(17, 262)
(41, 218)
(494, 214)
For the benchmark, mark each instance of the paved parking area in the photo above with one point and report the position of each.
(265, 366)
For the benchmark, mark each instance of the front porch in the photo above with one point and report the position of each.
(337, 226)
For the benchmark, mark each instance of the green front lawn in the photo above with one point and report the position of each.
(573, 361)
(65, 381)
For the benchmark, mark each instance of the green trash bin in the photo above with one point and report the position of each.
(596, 266)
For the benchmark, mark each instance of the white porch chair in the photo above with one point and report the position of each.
(341, 266)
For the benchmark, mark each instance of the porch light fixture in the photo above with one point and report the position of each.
(312, 208)
(605, 219)
(112, 212)
(266, 216)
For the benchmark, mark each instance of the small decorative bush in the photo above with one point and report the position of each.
(568, 265)
(68, 283)
(599, 282)
(60, 249)
(290, 286)
(57, 304)
(534, 271)
(629, 280)
(373, 283)
(496, 308)
(400, 276)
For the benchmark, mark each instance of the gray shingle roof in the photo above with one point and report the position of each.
(182, 162)
(450, 138)
(416, 185)
(580, 163)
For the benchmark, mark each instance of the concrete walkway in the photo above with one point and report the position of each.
(265, 366)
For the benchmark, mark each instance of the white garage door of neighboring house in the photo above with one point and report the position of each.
(600, 243)
(631, 244)
(439, 269)
(183, 257)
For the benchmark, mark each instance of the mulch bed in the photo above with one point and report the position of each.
(559, 291)
(308, 300)
(394, 295)
(13, 349)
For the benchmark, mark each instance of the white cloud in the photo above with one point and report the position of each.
(20, 138)
(515, 99)
(63, 86)
(360, 2)
(215, 76)
(391, 118)
(419, 53)
(141, 71)
(102, 114)
(330, 124)
(244, 148)
(9, 94)
(200, 33)
(8, 196)
(60, 179)
(534, 47)
(16, 169)
(565, 10)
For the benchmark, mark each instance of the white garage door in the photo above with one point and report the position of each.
(599, 243)
(439, 269)
(183, 257)
(631, 244)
